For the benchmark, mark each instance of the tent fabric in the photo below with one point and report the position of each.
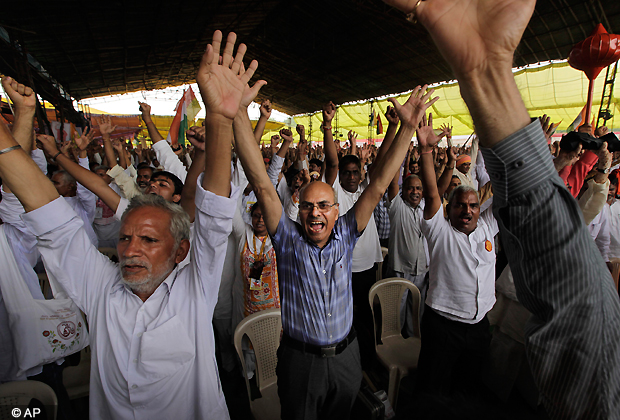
(554, 89)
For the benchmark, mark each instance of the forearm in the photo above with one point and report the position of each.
(152, 129)
(444, 180)
(218, 132)
(23, 128)
(390, 134)
(22, 176)
(90, 180)
(429, 183)
(189, 189)
(260, 128)
(331, 156)
(109, 150)
(494, 102)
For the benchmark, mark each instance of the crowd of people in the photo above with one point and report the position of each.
(213, 232)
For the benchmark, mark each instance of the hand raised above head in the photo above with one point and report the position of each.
(391, 115)
(427, 138)
(286, 134)
(105, 125)
(472, 35)
(329, 111)
(196, 136)
(411, 112)
(84, 140)
(301, 130)
(223, 82)
(21, 95)
(47, 143)
(145, 109)
(265, 108)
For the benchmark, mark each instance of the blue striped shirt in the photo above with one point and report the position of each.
(315, 283)
(573, 337)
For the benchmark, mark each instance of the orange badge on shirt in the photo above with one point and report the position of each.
(488, 245)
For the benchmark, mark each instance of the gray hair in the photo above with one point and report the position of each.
(462, 189)
(179, 219)
(66, 177)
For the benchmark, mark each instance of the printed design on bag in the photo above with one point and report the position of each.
(65, 331)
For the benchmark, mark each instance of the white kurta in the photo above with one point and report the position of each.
(153, 359)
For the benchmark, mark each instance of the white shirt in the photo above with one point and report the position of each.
(169, 160)
(614, 230)
(367, 251)
(153, 359)
(462, 268)
(407, 246)
(599, 230)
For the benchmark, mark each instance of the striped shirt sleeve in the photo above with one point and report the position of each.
(573, 338)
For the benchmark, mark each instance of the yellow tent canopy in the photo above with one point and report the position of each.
(554, 89)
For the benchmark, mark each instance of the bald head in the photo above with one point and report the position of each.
(317, 186)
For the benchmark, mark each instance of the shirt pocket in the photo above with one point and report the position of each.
(342, 274)
(165, 350)
(486, 251)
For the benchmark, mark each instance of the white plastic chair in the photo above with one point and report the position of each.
(263, 330)
(397, 354)
(18, 394)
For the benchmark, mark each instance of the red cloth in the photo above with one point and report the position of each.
(573, 176)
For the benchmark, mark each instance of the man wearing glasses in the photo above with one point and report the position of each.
(319, 371)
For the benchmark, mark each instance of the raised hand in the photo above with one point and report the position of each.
(365, 152)
(425, 133)
(105, 125)
(145, 109)
(601, 131)
(196, 136)
(222, 82)
(391, 115)
(265, 108)
(118, 146)
(22, 96)
(329, 111)
(472, 34)
(446, 130)
(275, 140)
(352, 136)
(48, 144)
(65, 147)
(301, 130)
(84, 140)
(286, 135)
(412, 111)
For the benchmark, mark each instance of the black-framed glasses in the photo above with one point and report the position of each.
(323, 206)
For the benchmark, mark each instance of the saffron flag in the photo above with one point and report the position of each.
(186, 110)
(573, 126)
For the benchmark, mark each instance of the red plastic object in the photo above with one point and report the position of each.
(596, 52)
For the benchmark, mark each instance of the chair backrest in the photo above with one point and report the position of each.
(390, 292)
(263, 329)
(19, 393)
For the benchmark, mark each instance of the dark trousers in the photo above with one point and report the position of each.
(52, 376)
(362, 315)
(312, 387)
(451, 355)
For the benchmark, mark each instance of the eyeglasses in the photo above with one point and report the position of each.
(323, 206)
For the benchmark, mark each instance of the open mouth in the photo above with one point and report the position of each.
(465, 219)
(316, 226)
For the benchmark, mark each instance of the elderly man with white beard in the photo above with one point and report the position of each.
(152, 344)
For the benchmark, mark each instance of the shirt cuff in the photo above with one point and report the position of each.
(519, 163)
(115, 171)
(49, 217)
(215, 205)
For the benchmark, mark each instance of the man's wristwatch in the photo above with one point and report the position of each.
(603, 171)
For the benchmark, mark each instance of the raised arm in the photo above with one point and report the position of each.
(446, 176)
(331, 154)
(427, 139)
(106, 128)
(196, 136)
(85, 177)
(222, 85)
(145, 109)
(265, 113)
(410, 114)
(390, 133)
(24, 105)
(21, 175)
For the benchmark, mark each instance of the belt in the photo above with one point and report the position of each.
(323, 351)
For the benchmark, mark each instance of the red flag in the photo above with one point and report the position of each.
(379, 125)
